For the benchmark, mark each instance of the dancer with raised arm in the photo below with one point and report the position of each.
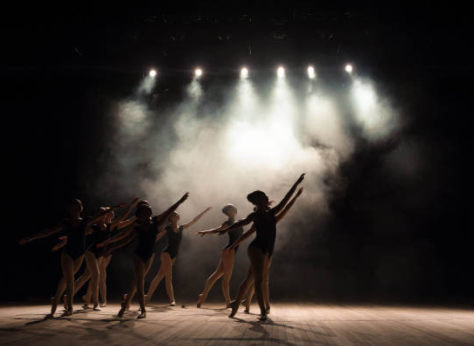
(174, 233)
(146, 228)
(247, 288)
(96, 264)
(226, 264)
(261, 249)
(75, 229)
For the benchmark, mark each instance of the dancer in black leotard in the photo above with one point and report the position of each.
(146, 229)
(226, 263)
(261, 249)
(248, 283)
(169, 254)
(72, 255)
(95, 266)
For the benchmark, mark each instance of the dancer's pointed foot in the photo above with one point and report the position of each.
(123, 308)
(200, 302)
(68, 312)
(234, 306)
(65, 301)
(54, 306)
(173, 303)
(142, 314)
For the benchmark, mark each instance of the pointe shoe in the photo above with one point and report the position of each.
(200, 302)
(173, 304)
(122, 309)
(142, 314)
(65, 301)
(235, 306)
(53, 306)
(67, 313)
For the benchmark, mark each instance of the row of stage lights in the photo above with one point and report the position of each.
(244, 72)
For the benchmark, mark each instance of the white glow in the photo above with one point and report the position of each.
(152, 73)
(281, 72)
(311, 72)
(348, 68)
(375, 116)
(244, 72)
(198, 72)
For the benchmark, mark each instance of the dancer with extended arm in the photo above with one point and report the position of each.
(174, 233)
(146, 230)
(266, 278)
(226, 264)
(261, 249)
(96, 264)
(75, 229)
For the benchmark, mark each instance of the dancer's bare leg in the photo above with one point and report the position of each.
(211, 280)
(141, 269)
(248, 299)
(167, 264)
(69, 267)
(228, 261)
(258, 262)
(103, 264)
(266, 282)
(154, 283)
(93, 268)
(243, 289)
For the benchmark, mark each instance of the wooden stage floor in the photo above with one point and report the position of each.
(290, 324)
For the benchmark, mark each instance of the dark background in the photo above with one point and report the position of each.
(61, 65)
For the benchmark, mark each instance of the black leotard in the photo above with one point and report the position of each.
(100, 235)
(174, 239)
(233, 235)
(146, 240)
(265, 224)
(76, 238)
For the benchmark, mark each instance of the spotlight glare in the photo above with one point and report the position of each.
(152, 73)
(281, 72)
(244, 72)
(198, 72)
(348, 68)
(311, 73)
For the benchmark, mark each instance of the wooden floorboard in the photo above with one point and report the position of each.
(289, 325)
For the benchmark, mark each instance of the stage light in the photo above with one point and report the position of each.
(281, 72)
(348, 68)
(198, 72)
(244, 73)
(311, 73)
(152, 73)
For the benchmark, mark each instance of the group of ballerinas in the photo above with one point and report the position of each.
(95, 238)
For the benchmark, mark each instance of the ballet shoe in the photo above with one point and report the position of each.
(200, 302)
(142, 314)
(97, 308)
(173, 304)
(122, 309)
(235, 306)
(103, 304)
(53, 306)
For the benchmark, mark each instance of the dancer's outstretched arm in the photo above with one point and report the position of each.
(243, 237)
(241, 223)
(163, 217)
(278, 208)
(100, 214)
(196, 219)
(122, 221)
(44, 234)
(130, 232)
(283, 213)
(117, 245)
